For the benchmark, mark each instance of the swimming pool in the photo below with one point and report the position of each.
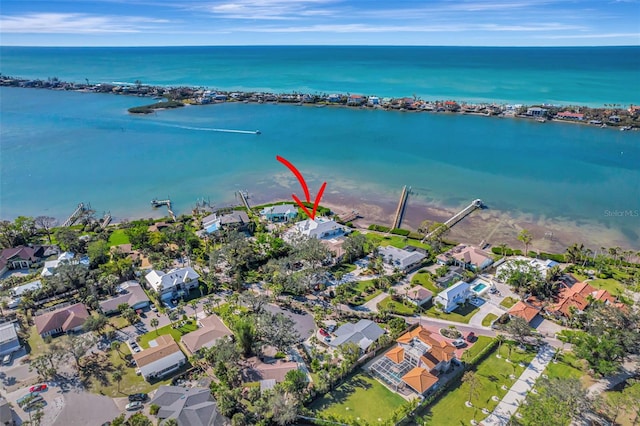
(480, 286)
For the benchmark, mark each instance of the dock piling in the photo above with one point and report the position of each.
(475, 204)
(401, 206)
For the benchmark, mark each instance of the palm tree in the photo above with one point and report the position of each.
(154, 323)
(503, 249)
(525, 237)
(194, 305)
(115, 345)
(170, 422)
(173, 316)
(471, 379)
(117, 376)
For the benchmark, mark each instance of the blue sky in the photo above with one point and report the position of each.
(333, 22)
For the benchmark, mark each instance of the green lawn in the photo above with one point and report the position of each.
(508, 302)
(462, 314)
(344, 267)
(130, 383)
(176, 333)
(492, 373)
(424, 279)
(566, 366)
(359, 396)
(486, 321)
(481, 343)
(396, 307)
(37, 346)
(118, 237)
(396, 241)
(118, 322)
(612, 285)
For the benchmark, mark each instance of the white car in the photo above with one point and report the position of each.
(458, 343)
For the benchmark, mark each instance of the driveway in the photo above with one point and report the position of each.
(487, 307)
(83, 408)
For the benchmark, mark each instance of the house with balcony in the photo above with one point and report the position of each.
(453, 296)
(163, 357)
(174, 283)
(279, 213)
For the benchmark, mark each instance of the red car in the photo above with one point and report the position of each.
(38, 388)
(323, 333)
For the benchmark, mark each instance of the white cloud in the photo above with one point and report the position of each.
(268, 9)
(587, 36)
(75, 23)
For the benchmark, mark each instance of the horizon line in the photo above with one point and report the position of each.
(328, 45)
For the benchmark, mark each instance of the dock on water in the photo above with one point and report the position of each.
(397, 221)
(244, 196)
(106, 220)
(475, 204)
(75, 215)
(155, 203)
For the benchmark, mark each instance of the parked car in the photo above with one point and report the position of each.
(471, 337)
(7, 359)
(493, 290)
(153, 308)
(138, 397)
(29, 399)
(323, 332)
(38, 388)
(132, 406)
(327, 339)
(458, 343)
(331, 328)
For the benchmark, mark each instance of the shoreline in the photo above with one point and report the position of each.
(613, 117)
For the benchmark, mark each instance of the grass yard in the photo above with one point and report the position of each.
(492, 373)
(486, 321)
(481, 343)
(130, 383)
(396, 241)
(37, 346)
(566, 366)
(176, 333)
(613, 286)
(461, 314)
(344, 267)
(118, 237)
(424, 279)
(118, 322)
(508, 302)
(396, 307)
(359, 396)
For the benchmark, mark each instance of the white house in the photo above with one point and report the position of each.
(18, 291)
(451, 297)
(402, 259)
(159, 360)
(8, 339)
(541, 265)
(176, 282)
(320, 228)
(66, 257)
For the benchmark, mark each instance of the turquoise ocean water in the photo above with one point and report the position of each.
(60, 148)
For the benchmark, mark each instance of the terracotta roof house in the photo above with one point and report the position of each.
(126, 250)
(579, 296)
(404, 260)
(416, 362)
(189, 406)
(159, 360)
(355, 100)
(418, 295)
(524, 311)
(568, 115)
(130, 293)
(363, 333)
(64, 320)
(211, 330)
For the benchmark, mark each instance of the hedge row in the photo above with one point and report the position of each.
(379, 228)
(398, 231)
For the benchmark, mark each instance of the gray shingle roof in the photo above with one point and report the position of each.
(363, 333)
(189, 406)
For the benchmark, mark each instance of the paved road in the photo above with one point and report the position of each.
(518, 392)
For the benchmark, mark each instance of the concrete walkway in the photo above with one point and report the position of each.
(372, 305)
(518, 392)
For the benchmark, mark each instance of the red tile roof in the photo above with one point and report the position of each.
(66, 319)
(524, 311)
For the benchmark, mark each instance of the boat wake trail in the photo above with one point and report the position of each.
(210, 129)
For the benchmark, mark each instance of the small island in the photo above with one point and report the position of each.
(148, 109)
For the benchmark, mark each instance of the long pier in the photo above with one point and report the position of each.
(74, 216)
(475, 204)
(243, 197)
(106, 220)
(157, 203)
(401, 205)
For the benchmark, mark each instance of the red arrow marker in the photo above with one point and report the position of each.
(305, 188)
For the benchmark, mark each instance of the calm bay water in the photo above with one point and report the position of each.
(61, 148)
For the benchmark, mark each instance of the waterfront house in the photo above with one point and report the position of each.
(320, 227)
(524, 310)
(188, 406)
(578, 297)
(211, 329)
(237, 219)
(568, 115)
(416, 362)
(130, 293)
(355, 100)
(175, 283)
(363, 333)
(373, 101)
(22, 257)
(163, 357)
(404, 260)
(614, 119)
(453, 296)
(9, 342)
(536, 112)
(541, 265)
(334, 98)
(451, 106)
(418, 295)
(279, 213)
(467, 257)
(68, 319)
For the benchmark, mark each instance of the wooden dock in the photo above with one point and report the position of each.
(397, 221)
(157, 203)
(475, 204)
(74, 216)
(348, 217)
(244, 196)
(106, 220)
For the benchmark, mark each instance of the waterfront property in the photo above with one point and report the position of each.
(211, 329)
(188, 406)
(129, 293)
(402, 259)
(320, 227)
(453, 296)
(541, 265)
(237, 219)
(50, 266)
(68, 319)
(175, 283)
(363, 333)
(22, 257)
(467, 257)
(416, 362)
(161, 358)
(576, 298)
(279, 213)
(9, 341)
